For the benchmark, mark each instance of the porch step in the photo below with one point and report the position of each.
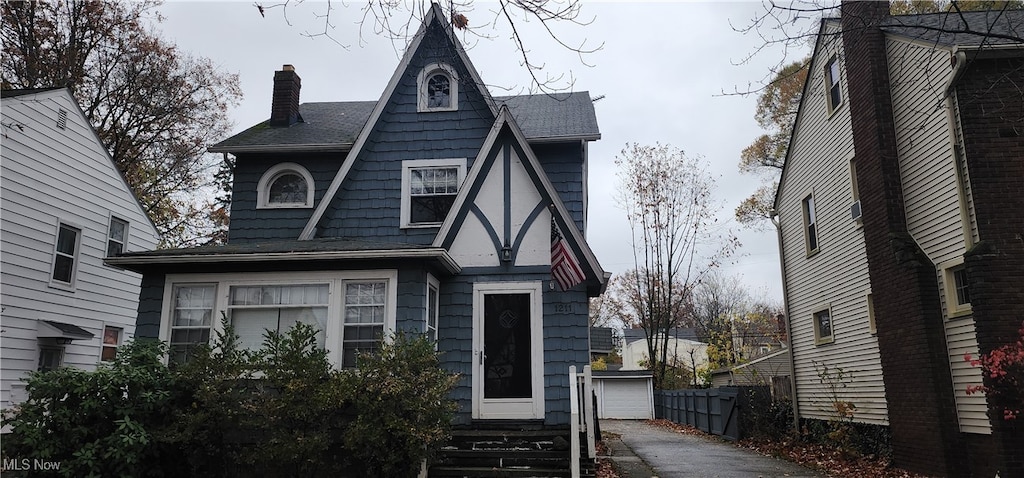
(482, 472)
(508, 451)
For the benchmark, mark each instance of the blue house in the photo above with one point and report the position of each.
(437, 208)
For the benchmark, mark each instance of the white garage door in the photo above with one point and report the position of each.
(626, 398)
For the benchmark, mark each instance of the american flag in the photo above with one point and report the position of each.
(565, 269)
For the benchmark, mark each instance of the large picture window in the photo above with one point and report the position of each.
(429, 188)
(352, 311)
(254, 310)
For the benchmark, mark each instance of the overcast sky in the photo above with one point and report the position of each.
(662, 70)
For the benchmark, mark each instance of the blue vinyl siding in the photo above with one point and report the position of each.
(566, 340)
(563, 163)
(368, 203)
(151, 297)
(249, 224)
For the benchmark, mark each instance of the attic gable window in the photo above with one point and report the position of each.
(429, 188)
(286, 185)
(438, 88)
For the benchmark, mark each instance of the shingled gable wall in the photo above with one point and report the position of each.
(992, 120)
(908, 314)
(368, 202)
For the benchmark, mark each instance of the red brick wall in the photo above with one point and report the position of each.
(908, 315)
(990, 96)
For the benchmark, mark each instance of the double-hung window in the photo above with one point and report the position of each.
(429, 188)
(191, 319)
(364, 319)
(432, 309)
(65, 255)
(823, 332)
(835, 94)
(957, 288)
(117, 237)
(810, 225)
(112, 337)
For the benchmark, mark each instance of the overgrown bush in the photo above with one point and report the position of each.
(100, 423)
(402, 411)
(281, 411)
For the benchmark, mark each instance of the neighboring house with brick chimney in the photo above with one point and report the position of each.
(900, 212)
(436, 208)
(65, 207)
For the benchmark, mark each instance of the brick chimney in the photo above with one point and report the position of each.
(284, 110)
(911, 339)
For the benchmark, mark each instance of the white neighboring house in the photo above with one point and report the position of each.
(681, 342)
(64, 206)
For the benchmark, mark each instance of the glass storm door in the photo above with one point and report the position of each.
(508, 374)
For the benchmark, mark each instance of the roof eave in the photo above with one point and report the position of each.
(284, 148)
(442, 256)
(563, 139)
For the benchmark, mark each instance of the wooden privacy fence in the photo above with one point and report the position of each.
(713, 410)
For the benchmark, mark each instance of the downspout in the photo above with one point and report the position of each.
(789, 322)
(959, 59)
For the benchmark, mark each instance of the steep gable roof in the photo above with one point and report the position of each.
(433, 17)
(41, 93)
(505, 124)
(334, 126)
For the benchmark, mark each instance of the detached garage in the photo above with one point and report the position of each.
(624, 394)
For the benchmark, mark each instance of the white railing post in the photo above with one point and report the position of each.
(588, 412)
(574, 423)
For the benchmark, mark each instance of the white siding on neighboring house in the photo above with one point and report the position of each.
(635, 353)
(935, 214)
(51, 176)
(835, 278)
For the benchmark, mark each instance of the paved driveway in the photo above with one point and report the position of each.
(671, 454)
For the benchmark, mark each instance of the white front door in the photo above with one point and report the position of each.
(508, 349)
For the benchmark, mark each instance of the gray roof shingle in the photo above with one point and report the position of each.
(335, 125)
(965, 29)
(960, 29)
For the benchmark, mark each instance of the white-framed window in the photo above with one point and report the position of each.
(438, 88)
(855, 207)
(432, 308)
(823, 326)
(117, 237)
(65, 255)
(112, 337)
(50, 358)
(957, 288)
(832, 83)
(255, 309)
(429, 187)
(190, 319)
(353, 310)
(285, 185)
(810, 225)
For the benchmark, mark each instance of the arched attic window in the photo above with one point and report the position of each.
(438, 87)
(286, 185)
